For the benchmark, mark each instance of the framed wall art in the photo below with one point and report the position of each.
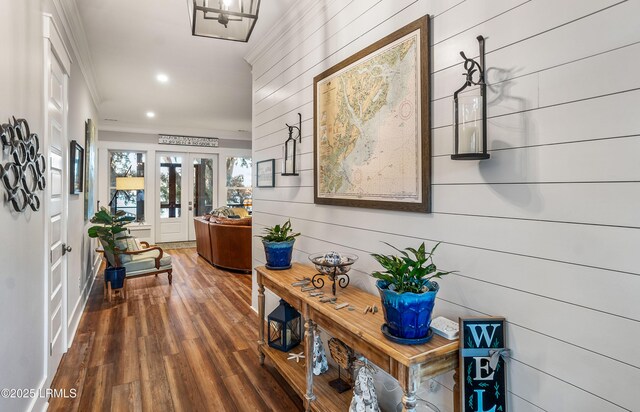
(90, 168)
(372, 127)
(266, 173)
(76, 168)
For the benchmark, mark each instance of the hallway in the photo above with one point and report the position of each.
(186, 347)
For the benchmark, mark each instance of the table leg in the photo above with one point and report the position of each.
(309, 331)
(456, 392)
(409, 399)
(261, 304)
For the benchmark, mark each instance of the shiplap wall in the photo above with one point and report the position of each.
(544, 233)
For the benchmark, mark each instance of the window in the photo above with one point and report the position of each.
(127, 164)
(239, 182)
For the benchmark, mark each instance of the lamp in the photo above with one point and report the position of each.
(470, 112)
(124, 184)
(223, 19)
(289, 166)
(285, 327)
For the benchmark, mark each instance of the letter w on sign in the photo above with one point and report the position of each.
(482, 371)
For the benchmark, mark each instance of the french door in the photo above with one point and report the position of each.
(187, 185)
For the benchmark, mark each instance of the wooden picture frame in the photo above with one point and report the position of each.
(266, 173)
(370, 152)
(76, 168)
(89, 168)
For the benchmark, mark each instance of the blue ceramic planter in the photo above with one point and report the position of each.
(115, 276)
(278, 254)
(408, 315)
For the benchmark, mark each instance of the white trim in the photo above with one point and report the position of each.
(53, 45)
(82, 301)
(52, 33)
(38, 403)
(291, 17)
(72, 24)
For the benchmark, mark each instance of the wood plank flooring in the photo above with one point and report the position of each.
(189, 347)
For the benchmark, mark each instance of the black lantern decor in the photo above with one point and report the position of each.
(470, 112)
(285, 327)
(289, 164)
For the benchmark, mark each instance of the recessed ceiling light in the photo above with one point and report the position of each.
(151, 114)
(162, 78)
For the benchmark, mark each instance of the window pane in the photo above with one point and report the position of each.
(238, 172)
(126, 164)
(238, 197)
(239, 182)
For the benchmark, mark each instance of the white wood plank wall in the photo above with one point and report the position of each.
(546, 232)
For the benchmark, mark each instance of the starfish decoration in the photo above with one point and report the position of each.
(296, 356)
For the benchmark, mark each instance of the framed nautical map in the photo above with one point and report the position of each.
(371, 125)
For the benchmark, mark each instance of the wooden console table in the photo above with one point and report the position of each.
(410, 365)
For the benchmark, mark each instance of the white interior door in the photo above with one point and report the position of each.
(172, 196)
(203, 188)
(57, 210)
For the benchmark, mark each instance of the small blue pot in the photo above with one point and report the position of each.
(278, 254)
(408, 315)
(115, 276)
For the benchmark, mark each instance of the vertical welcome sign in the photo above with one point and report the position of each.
(482, 369)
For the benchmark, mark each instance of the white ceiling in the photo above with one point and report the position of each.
(209, 88)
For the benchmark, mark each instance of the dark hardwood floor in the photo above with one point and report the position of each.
(189, 347)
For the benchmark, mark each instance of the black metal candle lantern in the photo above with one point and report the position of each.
(470, 112)
(285, 327)
(289, 166)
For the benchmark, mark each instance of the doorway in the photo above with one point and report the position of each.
(188, 188)
(57, 67)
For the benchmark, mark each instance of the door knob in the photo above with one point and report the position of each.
(65, 248)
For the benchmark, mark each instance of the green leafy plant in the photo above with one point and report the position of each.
(411, 271)
(279, 233)
(109, 227)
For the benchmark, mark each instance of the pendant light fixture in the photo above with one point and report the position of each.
(223, 19)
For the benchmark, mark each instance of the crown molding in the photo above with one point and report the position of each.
(179, 131)
(72, 25)
(258, 49)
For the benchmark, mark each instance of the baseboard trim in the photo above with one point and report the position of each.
(76, 316)
(38, 403)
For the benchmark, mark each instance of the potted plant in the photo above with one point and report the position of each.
(408, 291)
(109, 230)
(278, 243)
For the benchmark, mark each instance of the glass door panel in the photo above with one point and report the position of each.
(170, 186)
(171, 197)
(203, 185)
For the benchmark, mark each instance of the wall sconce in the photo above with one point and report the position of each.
(470, 112)
(289, 165)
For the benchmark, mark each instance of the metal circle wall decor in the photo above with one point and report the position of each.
(25, 175)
